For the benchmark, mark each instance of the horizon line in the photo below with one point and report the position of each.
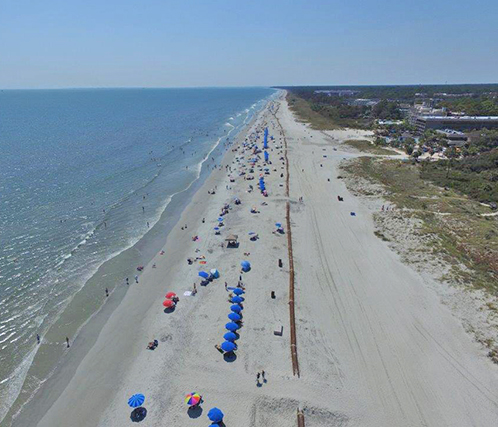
(246, 87)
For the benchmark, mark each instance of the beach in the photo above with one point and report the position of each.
(375, 346)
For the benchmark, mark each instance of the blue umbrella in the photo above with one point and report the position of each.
(251, 233)
(215, 415)
(228, 346)
(136, 400)
(220, 219)
(238, 291)
(203, 274)
(278, 225)
(230, 336)
(237, 300)
(231, 326)
(234, 316)
(236, 308)
(216, 228)
(246, 265)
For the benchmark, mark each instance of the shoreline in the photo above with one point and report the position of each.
(144, 250)
(371, 333)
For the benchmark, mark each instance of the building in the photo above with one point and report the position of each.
(463, 123)
(424, 109)
(339, 92)
(454, 138)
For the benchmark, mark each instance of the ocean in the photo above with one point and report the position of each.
(85, 174)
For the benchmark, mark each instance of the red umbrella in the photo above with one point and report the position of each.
(170, 295)
(168, 303)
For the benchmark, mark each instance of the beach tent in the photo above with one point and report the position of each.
(232, 240)
(236, 308)
(230, 336)
(228, 346)
(267, 156)
(231, 326)
(215, 273)
(246, 266)
(136, 400)
(203, 274)
(237, 300)
(234, 316)
(215, 415)
(238, 291)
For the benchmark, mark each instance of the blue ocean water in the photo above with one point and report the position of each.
(83, 175)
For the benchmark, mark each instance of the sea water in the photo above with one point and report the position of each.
(84, 174)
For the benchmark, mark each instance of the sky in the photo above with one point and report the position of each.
(191, 43)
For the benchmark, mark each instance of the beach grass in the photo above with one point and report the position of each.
(452, 223)
(367, 147)
(302, 109)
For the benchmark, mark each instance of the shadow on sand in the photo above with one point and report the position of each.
(230, 357)
(194, 411)
(138, 414)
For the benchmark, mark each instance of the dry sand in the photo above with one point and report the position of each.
(375, 345)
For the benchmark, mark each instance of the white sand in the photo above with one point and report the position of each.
(375, 345)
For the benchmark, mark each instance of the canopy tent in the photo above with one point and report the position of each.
(267, 156)
(232, 240)
(215, 273)
(136, 400)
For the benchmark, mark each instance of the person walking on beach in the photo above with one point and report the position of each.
(226, 286)
(136, 279)
(127, 281)
(67, 342)
(106, 292)
(38, 338)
